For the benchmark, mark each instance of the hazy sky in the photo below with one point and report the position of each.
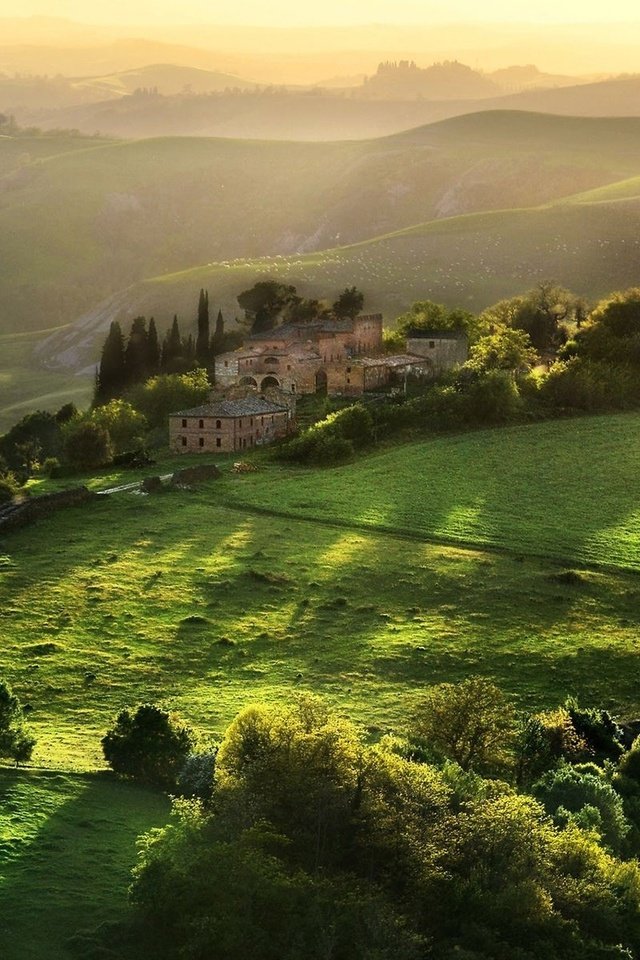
(307, 12)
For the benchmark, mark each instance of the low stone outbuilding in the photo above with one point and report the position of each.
(442, 349)
(226, 426)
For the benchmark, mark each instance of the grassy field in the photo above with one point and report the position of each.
(418, 564)
(67, 846)
(25, 385)
(563, 489)
(207, 600)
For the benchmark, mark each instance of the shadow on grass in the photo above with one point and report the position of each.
(74, 849)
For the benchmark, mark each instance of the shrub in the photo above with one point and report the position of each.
(51, 467)
(149, 744)
(15, 742)
(567, 791)
(86, 444)
(492, 398)
(197, 777)
(8, 487)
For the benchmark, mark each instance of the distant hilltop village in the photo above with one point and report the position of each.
(336, 357)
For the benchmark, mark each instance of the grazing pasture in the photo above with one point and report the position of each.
(363, 583)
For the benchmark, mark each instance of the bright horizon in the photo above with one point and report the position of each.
(330, 13)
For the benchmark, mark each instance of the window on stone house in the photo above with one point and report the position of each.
(226, 363)
(348, 379)
(201, 425)
(432, 344)
(201, 442)
(218, 424)
(348, 369)
(251, 422)
(184, 423)
(240, 423)
(218, 442)
(184, 441)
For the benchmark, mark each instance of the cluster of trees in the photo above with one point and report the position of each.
(124, 363)
(270, 302)
(477, 833)
(72, 440)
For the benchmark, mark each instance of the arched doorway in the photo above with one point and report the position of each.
(270, 382)
(248, 382)
(321, 381)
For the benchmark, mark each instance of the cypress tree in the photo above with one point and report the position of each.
(135, 355)
(153, 349)
(217, 341)
(202, 342)
(171, 347)
(110, 379)
(189, 350)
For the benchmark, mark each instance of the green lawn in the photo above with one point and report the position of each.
(67, 846)
(258, 586)
(206, 604)
(563, 489)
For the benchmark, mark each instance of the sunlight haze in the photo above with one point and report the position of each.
(332, 12)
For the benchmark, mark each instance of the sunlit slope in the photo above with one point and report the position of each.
(209, 599)
(77, 228)
(564, 489)
(472, 260)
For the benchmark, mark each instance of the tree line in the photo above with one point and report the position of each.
(475, 831)
(125, 362)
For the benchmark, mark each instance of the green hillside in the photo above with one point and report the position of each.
(74, 837)
(26, 385)
(81, 226)
(363, 583)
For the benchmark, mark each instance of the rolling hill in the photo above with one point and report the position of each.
(319, 115)
(81, 226)
(590, 246)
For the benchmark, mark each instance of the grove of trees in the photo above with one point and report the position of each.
(296, 838)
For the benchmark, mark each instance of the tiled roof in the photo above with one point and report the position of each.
(397, 360)
(244, 407)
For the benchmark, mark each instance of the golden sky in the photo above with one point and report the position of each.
(334, 12)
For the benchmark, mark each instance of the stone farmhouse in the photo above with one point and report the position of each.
(338, 357)
(226, 426)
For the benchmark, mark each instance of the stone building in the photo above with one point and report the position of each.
(443, 349)
(226, 426)
(339, 357)
(297, 357)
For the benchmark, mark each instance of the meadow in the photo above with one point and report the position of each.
(67, 845)
(26, 385)
(419, 563)
(508, 553)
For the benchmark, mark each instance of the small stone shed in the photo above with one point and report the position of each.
(226, 426)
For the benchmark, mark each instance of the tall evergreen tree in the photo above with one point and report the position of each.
(110, 379)
(153, 349)
(189, 350)
(202, 342)
(171, 347)
(135, 355)
(217, 341)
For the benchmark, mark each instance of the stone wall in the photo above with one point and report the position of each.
(32, 508)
